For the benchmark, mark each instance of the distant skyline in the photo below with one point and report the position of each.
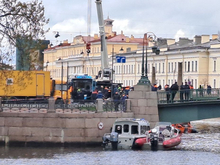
(167, 19)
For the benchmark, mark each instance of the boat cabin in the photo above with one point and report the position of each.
(131, 126)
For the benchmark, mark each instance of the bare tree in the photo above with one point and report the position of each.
(21, 26)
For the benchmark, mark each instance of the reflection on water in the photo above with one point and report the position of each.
(91, 156)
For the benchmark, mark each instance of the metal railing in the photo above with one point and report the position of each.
(114, 106)
(85, 106)
(26, 105)
(181, 96)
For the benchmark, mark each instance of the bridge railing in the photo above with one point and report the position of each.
(181, 96)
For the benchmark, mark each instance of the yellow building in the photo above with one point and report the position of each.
(75, 57)
(200, 58)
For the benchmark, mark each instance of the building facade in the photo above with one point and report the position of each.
(199, 58)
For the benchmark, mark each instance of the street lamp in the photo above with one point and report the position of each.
(61, 77)
(148, 37)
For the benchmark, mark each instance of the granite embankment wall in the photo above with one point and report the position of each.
(55, 127)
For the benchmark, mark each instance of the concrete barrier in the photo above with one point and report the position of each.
(56, 127)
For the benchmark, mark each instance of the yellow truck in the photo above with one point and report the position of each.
(30, 85)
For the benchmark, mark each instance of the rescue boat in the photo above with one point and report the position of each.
(162, 136)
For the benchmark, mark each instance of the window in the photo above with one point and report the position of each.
(185, 66)
(159, 68)
(134, 129)
(195, 84)
(156, 68)
(138, 69)
(196, 66)
(175, 69)
(118, 129)
(188, 66)
(128, 49)
(171, 67)
(192, 66)
(214, 85)
(132, 68)
(214, 66)
(163, 67)
(144, 128)
(126, 128)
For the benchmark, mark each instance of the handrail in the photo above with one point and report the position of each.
(189, 95)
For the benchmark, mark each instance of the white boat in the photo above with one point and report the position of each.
(125, 131)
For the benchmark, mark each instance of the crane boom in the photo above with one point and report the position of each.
(106, 71)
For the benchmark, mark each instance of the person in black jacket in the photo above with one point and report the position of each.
(116, 99)
(181, 92)
(174, 88)
(187, 90)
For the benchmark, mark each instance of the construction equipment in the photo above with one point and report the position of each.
(106, 72)
(35, 86)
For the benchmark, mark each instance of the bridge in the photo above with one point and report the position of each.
(188, 105)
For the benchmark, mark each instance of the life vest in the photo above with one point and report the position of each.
(71, 89)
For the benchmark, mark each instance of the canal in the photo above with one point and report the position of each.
(96, 156)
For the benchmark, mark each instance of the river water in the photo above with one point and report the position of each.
(96, 156)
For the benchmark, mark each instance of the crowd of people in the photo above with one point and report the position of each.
(184, 89)
(119, 95)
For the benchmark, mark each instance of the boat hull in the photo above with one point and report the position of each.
(172, 142)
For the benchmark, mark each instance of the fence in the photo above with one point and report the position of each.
(81, 106)
(170, 97)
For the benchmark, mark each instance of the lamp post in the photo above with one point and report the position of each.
(61, 77)
(148, 37)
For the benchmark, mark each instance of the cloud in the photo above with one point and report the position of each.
(170, 18)
(179, 34)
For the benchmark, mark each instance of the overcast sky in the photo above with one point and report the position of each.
(166, 18)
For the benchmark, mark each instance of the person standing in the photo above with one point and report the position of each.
(99, 95)
(187, 90)
(116, 99)
(167, 89)
(209, 88)
(174, 88)
(123, 99)
(201, 90)
(181, 92)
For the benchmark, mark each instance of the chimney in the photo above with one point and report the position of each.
(96, 36)
(205, 38)
(127, 39)
(214, 36)
(170, 41)
(197, 40)
(114, 33)
(65, 41)
(122, 33)
(132, 37)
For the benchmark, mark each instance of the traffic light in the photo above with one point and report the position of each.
(88, 47)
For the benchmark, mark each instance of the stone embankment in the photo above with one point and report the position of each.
(207, 139)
